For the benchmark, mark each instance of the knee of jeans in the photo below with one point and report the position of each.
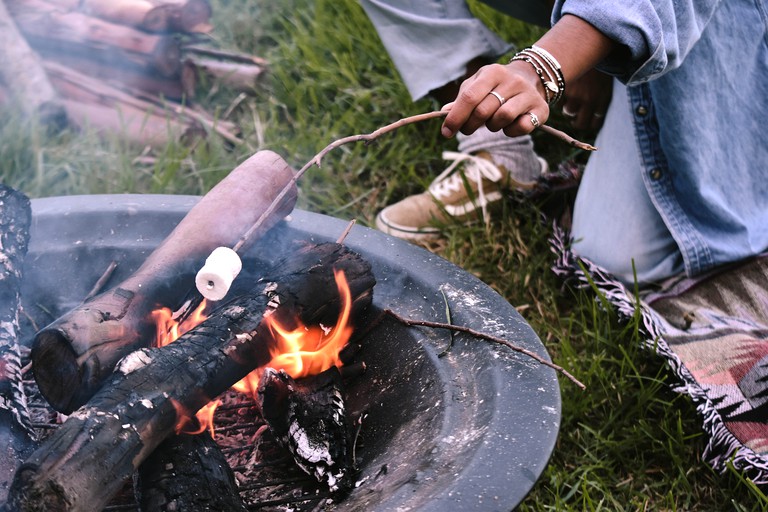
(630, 265)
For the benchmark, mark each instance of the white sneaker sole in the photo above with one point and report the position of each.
(405, 232)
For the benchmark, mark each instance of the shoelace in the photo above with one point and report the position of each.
(476, 168)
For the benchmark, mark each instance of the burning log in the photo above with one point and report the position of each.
(72, 356)
(24, 76)
(53, 30)
(308, 418)
(142, 403)
(187, 473)
(16, 435)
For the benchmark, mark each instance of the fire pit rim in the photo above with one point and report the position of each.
(511, 457)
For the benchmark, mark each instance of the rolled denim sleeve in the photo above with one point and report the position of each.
(657, 34)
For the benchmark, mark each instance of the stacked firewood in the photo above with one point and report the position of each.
(125, 67)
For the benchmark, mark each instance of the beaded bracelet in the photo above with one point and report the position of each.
(552, 61)
(549, 84)
(549, 87)
(543, 62)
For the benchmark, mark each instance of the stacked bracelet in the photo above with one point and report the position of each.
(545, 64)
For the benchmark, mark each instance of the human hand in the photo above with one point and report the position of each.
(517, 110)
(587, 99)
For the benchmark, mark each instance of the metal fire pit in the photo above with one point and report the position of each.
(469, 431)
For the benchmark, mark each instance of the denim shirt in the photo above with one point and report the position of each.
(697, 77)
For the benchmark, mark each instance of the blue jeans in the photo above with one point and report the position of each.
(615, 224)
(431, 41)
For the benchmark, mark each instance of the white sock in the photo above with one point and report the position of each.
(516, 154)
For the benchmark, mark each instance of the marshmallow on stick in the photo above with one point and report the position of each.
(216, 276)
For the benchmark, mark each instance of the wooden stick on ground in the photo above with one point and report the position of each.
(24, 76)
(487, 337)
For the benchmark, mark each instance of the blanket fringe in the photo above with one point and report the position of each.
(723, 448)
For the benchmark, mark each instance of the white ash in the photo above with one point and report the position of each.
(308, 450)
(133, 362)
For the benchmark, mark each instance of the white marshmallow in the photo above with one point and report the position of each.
(216, 276)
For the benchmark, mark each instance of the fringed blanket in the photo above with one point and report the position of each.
(713, 333)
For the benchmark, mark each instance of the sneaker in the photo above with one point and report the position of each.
(464, 192)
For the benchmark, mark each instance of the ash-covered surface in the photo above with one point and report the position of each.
(469, 431)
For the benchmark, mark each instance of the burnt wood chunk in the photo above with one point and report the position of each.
(141, 404)
(73, 355)
(187, 473)
(16, 434)
(308, 417)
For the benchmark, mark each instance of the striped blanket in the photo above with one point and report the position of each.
(713, 332)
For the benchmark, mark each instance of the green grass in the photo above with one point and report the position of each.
(626, 443)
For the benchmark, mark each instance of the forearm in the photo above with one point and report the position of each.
(577, 45)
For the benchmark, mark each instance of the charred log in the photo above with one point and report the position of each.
(16, 434)
(308, 418)
(187, 473)
(141, 404)
(72, 356)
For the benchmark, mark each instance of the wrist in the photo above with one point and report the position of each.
(523, 69)
(547, 69)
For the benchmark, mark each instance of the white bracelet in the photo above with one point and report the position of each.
(543, 62)
(547, 55)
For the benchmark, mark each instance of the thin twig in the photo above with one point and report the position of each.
(487, 337)
(367, 138)
(346, 231)
(101, 281)
(317, 160)
(567, 138)
(448, 320)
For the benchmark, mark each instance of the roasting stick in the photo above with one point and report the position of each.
(223, 265)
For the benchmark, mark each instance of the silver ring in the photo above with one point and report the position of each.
(568, 113)
(498, 97)
(534, 119)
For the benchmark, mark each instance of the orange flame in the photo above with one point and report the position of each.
(169, 329)
(306, 350)
(301, 351)
(186, 425)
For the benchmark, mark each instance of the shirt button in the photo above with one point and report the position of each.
(641, 110)
(656, 174)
